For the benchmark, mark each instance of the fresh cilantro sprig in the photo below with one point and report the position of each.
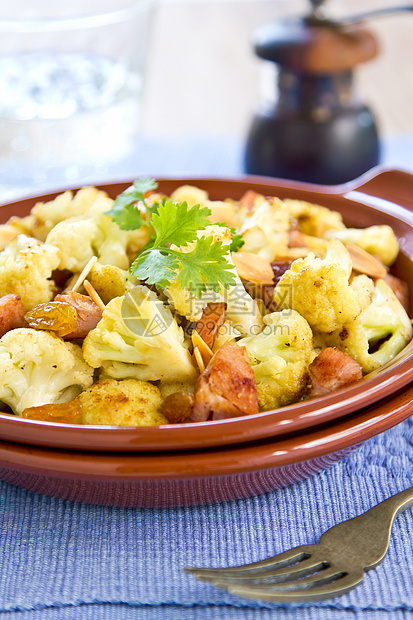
(237, 241)
(126, 210)
(203, 267)
(173, 225)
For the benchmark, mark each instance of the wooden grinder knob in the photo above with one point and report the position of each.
(305, 48)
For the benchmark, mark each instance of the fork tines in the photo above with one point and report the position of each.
(300, 574)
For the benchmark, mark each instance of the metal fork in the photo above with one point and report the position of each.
(314, 572)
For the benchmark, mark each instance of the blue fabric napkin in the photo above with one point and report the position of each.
(62, 560)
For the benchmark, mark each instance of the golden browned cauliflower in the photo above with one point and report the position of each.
(168, 388)
(381, 331)
(110, 281)
(265, 231)
(122, 403)
(45, 215)
(280, 356)
(26, 266)
(377, 240)
(313, 219)
(319, 289)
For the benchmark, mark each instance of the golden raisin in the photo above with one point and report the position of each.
(177, 408)
(54, 316)
(67, 413)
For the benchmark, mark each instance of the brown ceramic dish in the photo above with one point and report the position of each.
(196, 477)
(380, 197)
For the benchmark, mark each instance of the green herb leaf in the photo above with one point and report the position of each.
(175, 223)
(237, 240)
(146, 184)
(129, 218)
(236, 243)
(134, 193)
(205, 267)
(155, 266)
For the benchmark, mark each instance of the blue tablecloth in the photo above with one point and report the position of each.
(63, 560)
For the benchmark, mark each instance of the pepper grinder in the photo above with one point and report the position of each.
(317, 131)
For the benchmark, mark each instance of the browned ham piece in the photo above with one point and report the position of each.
(11, 313)
(331, 370)
(210, 322)
(226, 388)
(249, 198)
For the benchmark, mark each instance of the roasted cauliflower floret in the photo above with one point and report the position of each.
(265, 230)
(45, 215)
(26, 266)
(280, 356)
(7, 233)
(190, 194)
(139, 338)
(363, 286)
(221, 211)
(313, 219)
(81, 238)
(319, 289)
(242, 310)
(122, 403)
(383, 324)
(377, 240)
(174, 387)
(38, 368)
(74, 239)
(110, 281)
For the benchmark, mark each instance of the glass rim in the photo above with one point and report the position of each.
(58, 24)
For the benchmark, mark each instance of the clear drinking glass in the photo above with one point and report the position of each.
(71, 80)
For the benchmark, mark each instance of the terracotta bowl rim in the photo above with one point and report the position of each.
(250, 457)
(292, 418)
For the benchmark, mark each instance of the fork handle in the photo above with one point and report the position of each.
(374, 527)
(369, 533)
(392, 506)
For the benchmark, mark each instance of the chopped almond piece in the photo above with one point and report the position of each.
(253, 268)
(363, 262)
(298, 239)
(203, 349)
(249, 198)
(199, 360)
